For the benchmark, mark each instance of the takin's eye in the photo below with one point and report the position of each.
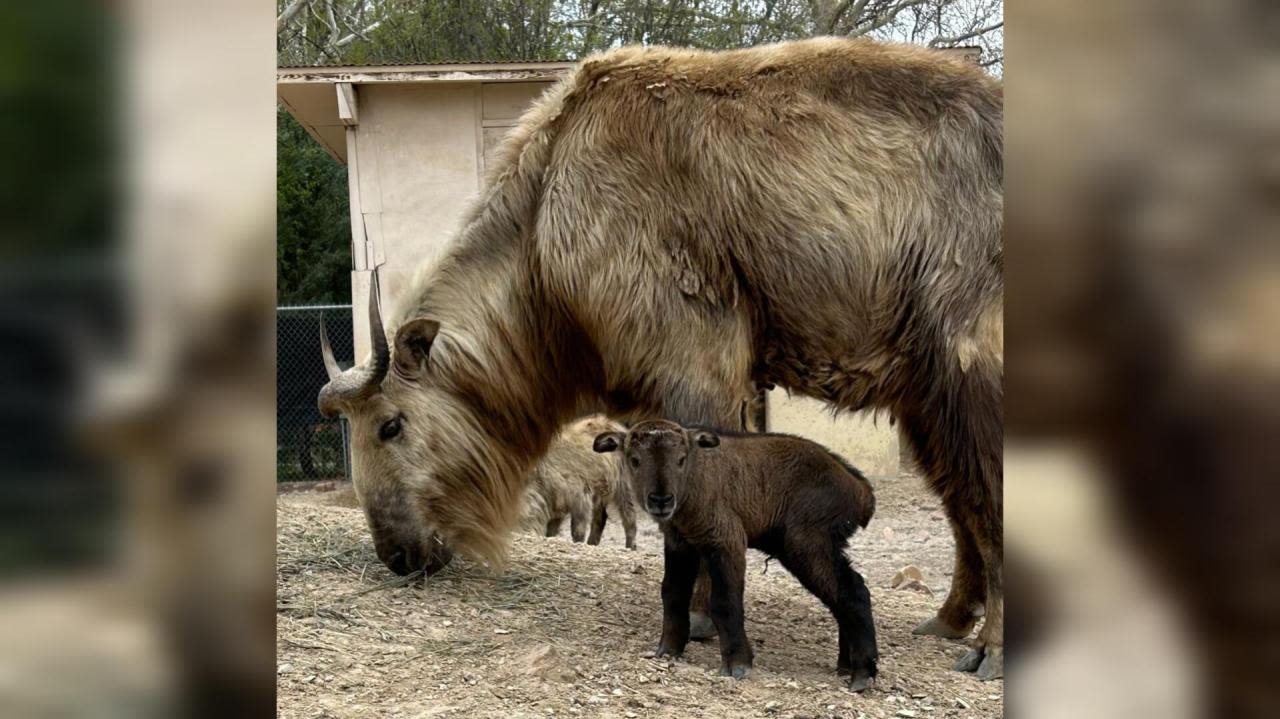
(635, 461)
(680, 462)
(389, 429)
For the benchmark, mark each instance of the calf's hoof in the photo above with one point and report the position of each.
(701, 628)
(737, 671)
(937, 627)
(985, 662)
(665, 651)
(861, 683)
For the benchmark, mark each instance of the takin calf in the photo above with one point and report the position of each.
(785, 496)
(572, 481)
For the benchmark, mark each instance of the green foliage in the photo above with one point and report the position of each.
(313, 227)
(59, 190)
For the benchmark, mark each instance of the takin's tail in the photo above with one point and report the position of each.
(866, 497)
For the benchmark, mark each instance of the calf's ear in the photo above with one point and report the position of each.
(413, 346)
(706, 439)
(607, 442)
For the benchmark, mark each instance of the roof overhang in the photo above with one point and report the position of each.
(311, 94)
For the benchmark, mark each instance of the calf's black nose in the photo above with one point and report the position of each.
(661, 501)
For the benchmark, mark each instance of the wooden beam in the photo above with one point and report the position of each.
(348, 111)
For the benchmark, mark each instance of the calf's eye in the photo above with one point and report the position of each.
(635, 461)
(389, 429)
(680, 462)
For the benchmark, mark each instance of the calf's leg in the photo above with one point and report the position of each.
(819, 564)
(553, 526)
(578, 522)
(727, 567)
(679, 568)
(598, 519)
(622, 502)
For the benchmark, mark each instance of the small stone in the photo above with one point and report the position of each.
(501, 631)
(887, 533)
(904, 713)
(792, 685)
(446, 623)
(962, 703)
(616, 692)
(772, 706)
(923, 536)
(284, 668)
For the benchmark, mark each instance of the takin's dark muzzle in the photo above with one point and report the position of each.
(429, 556)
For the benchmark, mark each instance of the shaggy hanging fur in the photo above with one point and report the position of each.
(665, 231)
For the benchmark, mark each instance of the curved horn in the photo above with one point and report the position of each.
(326, 351)
(358, 382)
(381, 358)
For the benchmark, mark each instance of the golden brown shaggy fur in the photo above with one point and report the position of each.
(667, 230)
(573, 481)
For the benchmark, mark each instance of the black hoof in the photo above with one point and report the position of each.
(740, 671)
(970, 661)
(863, 683)
(992, 666)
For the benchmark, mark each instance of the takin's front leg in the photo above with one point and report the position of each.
(728, 567)
(599, 517)
(679, 568)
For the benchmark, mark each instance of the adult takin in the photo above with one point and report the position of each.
(788, 497)
(667, 231)
(575, 482)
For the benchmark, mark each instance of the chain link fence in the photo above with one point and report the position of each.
(309, 446)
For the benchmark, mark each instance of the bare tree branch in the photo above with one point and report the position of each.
(954, 39)
(360, 34)
(289, 12)
(889, 15)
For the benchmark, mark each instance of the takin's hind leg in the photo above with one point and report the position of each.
(821, 567)
(986, 658)
(553, 526)
(965, 601)
(628, 512)
(957, 434)
(599, 516)
(579, 520)
(701, 627)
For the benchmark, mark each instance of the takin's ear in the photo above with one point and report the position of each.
(607, 442)
(703, 438)
(413, 346)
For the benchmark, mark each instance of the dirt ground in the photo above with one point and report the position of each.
(568, 629)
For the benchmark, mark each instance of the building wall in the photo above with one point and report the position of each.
(419, 156)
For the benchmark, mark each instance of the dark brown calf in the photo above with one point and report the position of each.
(785, 496)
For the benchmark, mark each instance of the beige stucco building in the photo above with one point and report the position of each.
(415, 140)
